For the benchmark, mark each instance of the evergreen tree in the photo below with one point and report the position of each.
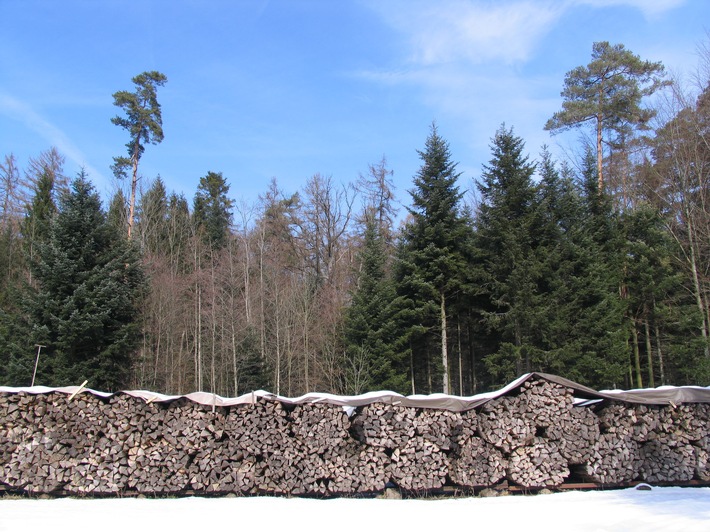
(213, 210)
(508, 234)
(11, 201)
(598, 334)
(16, 359)
(153, 218)
(658, 304)
(144, 123)
(85, 305)
(608, 93)
(432, 263)
(178, 229)
(371, 364)
(117, 213)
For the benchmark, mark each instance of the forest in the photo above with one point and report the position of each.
(595, 268)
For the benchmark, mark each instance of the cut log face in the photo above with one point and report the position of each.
(615, 460)
(661, 462)
(576, 433)
(537, 465)
(385, 426)
(506, 424)
(419, 465)
(477, 464)
(91, 445)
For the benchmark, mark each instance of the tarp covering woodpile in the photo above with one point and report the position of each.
(665, 395)
(539, 431)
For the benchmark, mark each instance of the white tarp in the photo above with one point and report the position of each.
(666, 395)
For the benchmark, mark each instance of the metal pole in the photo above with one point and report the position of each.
(34, 373)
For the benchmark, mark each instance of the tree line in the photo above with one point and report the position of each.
(595, 268)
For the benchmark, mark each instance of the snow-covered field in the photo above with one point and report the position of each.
(681, 509)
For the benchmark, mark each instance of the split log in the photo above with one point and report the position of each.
(615, 460)
(702, 459)
(383, 425)
(506, 424)
(575, 433)
(477, 463)
(537, 465)
(661, 462)
(419, 465)
(320, 426)
(444, 428)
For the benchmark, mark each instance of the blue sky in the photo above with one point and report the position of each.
(289, 88)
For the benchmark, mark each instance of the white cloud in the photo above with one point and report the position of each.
(466, 61)
(22, 112)
(476, 32)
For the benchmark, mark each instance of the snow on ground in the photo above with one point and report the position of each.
(629, 510)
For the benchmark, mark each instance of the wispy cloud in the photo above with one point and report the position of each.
(466, 59)
(650, 8)
(22, 112)
(476, 32)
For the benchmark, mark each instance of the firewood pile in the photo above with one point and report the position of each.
(533, 437)
(652, 443)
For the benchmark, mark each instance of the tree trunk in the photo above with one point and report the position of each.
(637, 355)
(649, 354)
(460, 353)
(444, 346)
(696, 283)
(659, 352)
(132, 203)
(600, 150)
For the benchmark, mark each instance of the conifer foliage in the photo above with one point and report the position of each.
(84, 308)
(606, 282)
(433, 260)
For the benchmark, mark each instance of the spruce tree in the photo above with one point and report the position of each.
(84, 309)
(432, 263)
(597, 309)
(152, 219)
(40, 213)
(661, 316)
(371, 363)
(213, 210)
(117, 213)
(508, 233)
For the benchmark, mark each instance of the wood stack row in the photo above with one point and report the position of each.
(533, 437)
(651, 443)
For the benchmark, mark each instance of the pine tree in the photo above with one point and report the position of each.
(432, 263)
(144, 123)
(85, 305)
(607, 93)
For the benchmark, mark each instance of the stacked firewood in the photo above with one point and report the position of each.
(651, 443)
(539, 432)
(477, 463)
(533, 437)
